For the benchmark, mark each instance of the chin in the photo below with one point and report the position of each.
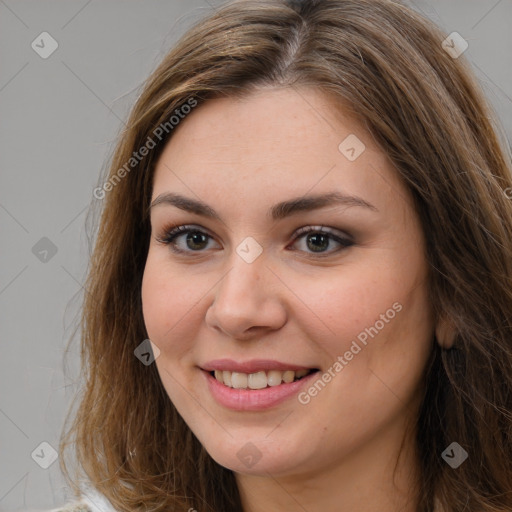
(253, 455)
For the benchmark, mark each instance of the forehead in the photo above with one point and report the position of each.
(272, 144)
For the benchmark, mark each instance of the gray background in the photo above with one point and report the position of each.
(59, 118)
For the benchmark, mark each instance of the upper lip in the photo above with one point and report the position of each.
(251, 366)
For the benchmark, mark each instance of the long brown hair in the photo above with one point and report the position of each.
(386, 64)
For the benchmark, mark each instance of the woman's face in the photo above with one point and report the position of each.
(350, 302)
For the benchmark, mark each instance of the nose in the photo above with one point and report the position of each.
(248, 301)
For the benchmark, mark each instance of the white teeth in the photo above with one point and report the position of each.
(288, 376)
(239, 380)
(258, 380)
(226, 378)
(274, 377)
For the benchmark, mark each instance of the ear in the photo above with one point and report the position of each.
(445, 333)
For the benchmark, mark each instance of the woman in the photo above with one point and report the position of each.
(235, 363)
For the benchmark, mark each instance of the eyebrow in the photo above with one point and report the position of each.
(276, 212)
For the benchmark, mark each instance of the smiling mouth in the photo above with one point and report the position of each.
(259, 380)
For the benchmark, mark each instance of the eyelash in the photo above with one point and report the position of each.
(170, 233)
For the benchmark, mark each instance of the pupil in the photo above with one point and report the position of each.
(317, 237)
(192, 236)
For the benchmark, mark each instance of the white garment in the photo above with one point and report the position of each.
(96, 501)
(90, 501)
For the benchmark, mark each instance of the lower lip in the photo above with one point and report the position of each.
(254, 399)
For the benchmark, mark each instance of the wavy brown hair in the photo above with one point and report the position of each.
(385, 63)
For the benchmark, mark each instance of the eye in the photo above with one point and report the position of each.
(317, 239)
(195, 240)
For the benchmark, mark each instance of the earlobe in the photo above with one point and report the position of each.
(445, 333)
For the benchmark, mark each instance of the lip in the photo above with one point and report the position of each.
(251, 366)
(255, 399)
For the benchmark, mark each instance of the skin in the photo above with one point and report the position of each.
(337, 452)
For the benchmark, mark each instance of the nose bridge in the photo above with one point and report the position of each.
(242, 299)
(247, 266)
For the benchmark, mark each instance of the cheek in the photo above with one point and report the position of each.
(382, 307)
(170, 309)
(352, 299)
(156, 302)
(386, 336)
(170, 304)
